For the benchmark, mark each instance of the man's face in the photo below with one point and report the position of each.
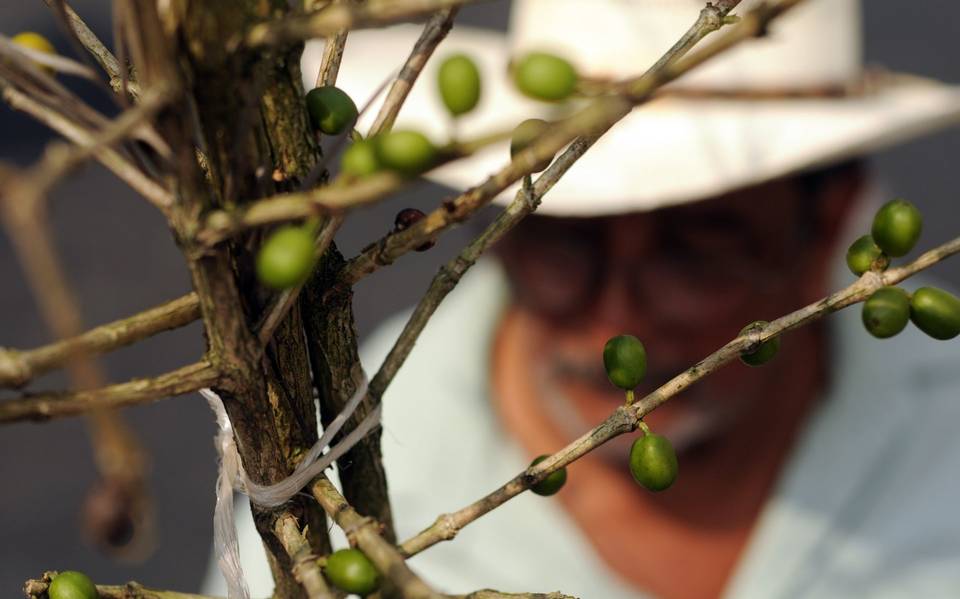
(684, 280)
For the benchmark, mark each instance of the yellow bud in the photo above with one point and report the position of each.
(35, 41)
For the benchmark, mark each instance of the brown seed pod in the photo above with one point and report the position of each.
(406, 219)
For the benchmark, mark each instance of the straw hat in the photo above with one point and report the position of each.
(774, 106)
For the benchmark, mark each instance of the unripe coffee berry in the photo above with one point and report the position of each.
(360, 159)
(407, 152)
(553, 481)
(286, 257)
(886, 312)
(862, 254)
(896, 227)
(653, 463)
(625, 361)
(405, 219)
(935, 312)
(765, 352)
(72, 585)
(331, 110)
(524, 134)
(458, 80)
(544, 76)
(351, 571)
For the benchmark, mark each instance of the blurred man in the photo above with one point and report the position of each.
(826, 473)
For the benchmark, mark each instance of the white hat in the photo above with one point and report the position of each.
(795, 99)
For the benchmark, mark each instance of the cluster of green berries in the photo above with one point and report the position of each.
(653, 462)
(896, 228)
(351, 571)
(71, 584)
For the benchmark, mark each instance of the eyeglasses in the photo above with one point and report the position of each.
(701, 256)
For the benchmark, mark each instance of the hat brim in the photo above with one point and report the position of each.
(667, 152)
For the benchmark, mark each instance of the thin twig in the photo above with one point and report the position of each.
(136, 392)
(37, 589)
(336, 17)
(450, 274)
(585, 127)
(433, 33)
(626, 418)
(19, 367)
(305, 567)
(82, 136)
(366, 534)
(491, 594)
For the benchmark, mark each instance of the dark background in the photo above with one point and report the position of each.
(120, 258)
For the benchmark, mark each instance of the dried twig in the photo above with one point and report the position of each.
(305, 567)
(138, 391)
(434, 32)
(337, 17)
(626, 418)
(18, 367)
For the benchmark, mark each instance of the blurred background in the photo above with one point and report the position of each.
(120, 258)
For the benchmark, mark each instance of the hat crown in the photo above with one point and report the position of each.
(817, 44)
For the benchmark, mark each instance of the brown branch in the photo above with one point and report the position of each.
(450, 274)
(336, 17)
(626, 418)
(138, 391)
(37, 589)
(365, 532)
(585, 127)
(18, 367)
(434, 32)
(305, 567)
(92, 43)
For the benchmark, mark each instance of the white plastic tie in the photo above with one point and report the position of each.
(233, 477)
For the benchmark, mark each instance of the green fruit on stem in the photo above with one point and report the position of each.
(886, 312)
(653, 463)
(545, 76)
(765, 352)
(351, 571)
(331, 110)
(896, 227)
(459, 82)
(862, 254)
(935, 312)
(360, 159)
(286, 257)
(524, 134)
(552, 483)
(625, 361)
(407, 152)
(72, 585)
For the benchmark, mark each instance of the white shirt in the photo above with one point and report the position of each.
(868, 504)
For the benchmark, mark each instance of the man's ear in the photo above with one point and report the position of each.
(838, 195)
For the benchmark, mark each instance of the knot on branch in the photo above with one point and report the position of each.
(446, 524)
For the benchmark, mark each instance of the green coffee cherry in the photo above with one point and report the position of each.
(625, 361)
(523, 136)
(886, 312)
(351, 571)
(552, 483)
(286, 257)
(653, 463)
(72, 585)
(407, 152)
(896, 227)
(935, 312)
(862, 254)
(331, 110)
(360, 159)
(767, 350)
(544, 76)
(459, 82)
